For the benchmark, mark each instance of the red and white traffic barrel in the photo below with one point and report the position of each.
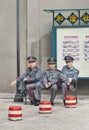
(45, 107)
(15, 113)
(70, 101)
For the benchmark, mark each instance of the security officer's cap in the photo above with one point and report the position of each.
(31, 59)
(51, 60)
(68, 58)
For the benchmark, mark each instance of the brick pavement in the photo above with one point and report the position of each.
(61, 118)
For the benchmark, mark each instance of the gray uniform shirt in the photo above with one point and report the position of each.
(33, 75)
(51, 76)
(67, 73)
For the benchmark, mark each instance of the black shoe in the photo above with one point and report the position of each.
(64, 102)
(52, 103)
(37, 102)
(18, 99)
(32, 102)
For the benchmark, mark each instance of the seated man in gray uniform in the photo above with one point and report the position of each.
(50, 78)
(34, 80)
(69, 76)
(30, 80)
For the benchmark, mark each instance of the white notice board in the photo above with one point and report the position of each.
(73, 42)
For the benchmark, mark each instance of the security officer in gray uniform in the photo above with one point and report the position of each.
(31, 79)
(69, 76)
(50, 78)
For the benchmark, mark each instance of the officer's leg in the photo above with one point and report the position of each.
(22, 86)
(59, 83)
(72, 86)
(53, 93)
(30, 91)
(17, 87)
(37, 91)
(64, 91)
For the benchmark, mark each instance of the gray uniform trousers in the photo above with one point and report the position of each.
(22, 86)
(64, 90)
(65, 74)
(34, 91)
(53, 89)
(53, 92)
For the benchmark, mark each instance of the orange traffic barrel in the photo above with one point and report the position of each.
(45, 107)
(70, 101)
(15, 113)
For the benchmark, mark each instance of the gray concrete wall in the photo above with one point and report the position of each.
(7, 43)
(8, 59)
(35, 35)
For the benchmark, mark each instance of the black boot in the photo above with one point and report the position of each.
(64, 102)
(32, 102)
(52, 103)
(37, 102)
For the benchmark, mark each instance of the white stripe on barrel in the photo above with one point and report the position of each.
(45, 107)
(15, 113)
(70, 101)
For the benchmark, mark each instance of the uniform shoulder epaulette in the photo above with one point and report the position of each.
(77, 70)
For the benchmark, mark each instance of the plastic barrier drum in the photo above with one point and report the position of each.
(15, 113)
(45, 107)
(70, 101)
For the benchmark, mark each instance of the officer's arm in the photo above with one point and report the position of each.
(63, 76)
(55, 79)
(76, 75)
(36, 78)
(45, 80)
(22, 76)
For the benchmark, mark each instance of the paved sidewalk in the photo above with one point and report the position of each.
(61, 118)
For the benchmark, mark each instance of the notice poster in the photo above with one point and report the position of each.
(86, 48)
(71, 46)
(74, 42)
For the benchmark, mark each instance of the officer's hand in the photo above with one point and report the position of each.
(13, 83)
(49, 84)
(68, 83)
(69, 80)
(46, 85)
(25, 79)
